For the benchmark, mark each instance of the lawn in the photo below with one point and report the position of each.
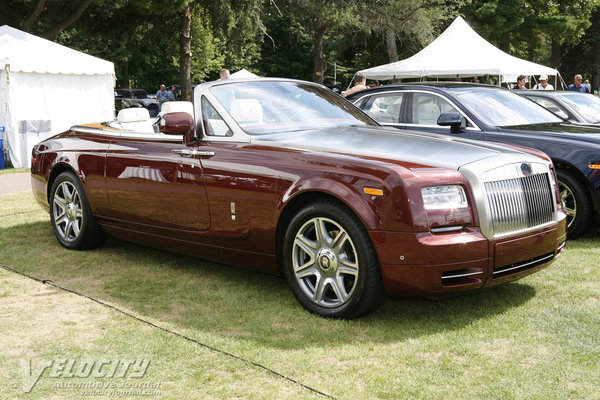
(538, 338)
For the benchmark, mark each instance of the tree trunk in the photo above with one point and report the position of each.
(555, 55)
(185, 54)
(55, 31)
(390, 44)
(125, 78)
(319, 58)
(34, 15)
(596, 52)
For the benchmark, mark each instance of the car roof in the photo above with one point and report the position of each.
(550, 93)
(435, 86)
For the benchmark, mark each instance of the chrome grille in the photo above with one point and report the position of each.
(520, 203)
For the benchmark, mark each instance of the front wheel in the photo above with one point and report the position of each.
(576, 203)
(72, 220)
(330, 263)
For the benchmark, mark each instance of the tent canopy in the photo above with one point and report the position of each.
(45, 88)
(29, 53)
(243, 73)
(458, 52)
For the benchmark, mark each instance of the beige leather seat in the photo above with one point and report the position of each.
(427, 113)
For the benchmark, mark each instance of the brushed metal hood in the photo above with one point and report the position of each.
(390, 143)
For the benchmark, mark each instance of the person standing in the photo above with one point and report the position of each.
(543, 85)
(578, 86)
(161, 96)
(171, 93)
(224, 74)
(520, 83)
(359, 84)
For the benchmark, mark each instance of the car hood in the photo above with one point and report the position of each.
(565, 129)
(389, 143)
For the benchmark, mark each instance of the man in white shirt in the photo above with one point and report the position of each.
(543, 85)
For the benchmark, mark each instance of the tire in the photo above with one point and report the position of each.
(576, 202)
(330, 263)
(72, 221)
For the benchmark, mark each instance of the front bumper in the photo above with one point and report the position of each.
(426, 264)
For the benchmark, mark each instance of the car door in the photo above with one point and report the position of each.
(423, 110)
(154, 184)
(385, 108)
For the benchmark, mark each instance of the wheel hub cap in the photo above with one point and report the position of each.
(71, 211)
(327, 260)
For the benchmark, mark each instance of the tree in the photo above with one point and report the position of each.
(522, 27)
(410, 22)
(320, 19)
(48, 18)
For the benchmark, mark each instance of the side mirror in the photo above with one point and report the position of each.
(452, 119)
(178, 123)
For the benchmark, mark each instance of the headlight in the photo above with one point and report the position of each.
(442, 197)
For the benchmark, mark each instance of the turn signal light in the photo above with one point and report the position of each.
(594, 165)
(373, 192)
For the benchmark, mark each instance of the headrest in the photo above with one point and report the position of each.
(247, 111)
(133, 115)
(177, 106)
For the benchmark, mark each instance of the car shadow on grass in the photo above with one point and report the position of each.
(205, 299)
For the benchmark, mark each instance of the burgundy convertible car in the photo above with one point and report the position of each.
(287, 177)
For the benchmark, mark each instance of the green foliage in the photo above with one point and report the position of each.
(206, 55)
(299, 38)
(526, 28)
(286, 51)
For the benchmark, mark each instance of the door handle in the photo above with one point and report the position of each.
(194, 153)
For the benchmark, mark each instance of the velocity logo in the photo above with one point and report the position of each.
(72, 368)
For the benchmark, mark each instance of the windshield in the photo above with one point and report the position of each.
(497, 107)
(271, 107)
(587, 106)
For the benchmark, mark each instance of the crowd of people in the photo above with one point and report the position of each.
(578, 84)
(360, 83)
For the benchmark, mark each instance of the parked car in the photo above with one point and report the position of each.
(288, 177)
(492, 114)
(577, 107)
(135, 98)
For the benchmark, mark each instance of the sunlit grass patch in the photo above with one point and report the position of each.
(537, 338)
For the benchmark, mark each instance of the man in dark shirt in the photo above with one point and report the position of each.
(578, 86)
(521, 80)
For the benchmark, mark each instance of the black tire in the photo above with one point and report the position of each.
(72, 221)
(340, 275)
(576, 202)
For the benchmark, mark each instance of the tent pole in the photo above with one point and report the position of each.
(5, 132)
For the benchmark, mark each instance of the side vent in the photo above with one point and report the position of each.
(462, 277)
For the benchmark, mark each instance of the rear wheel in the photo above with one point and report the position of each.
(576, 202)
(72, 220)
(330, 263)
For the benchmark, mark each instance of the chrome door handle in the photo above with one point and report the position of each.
(194, 153)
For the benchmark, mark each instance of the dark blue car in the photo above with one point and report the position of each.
(483, 112)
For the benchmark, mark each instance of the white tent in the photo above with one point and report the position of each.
(45, 88)
(459, 52)
(243, 73)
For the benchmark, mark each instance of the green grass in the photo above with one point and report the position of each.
(538, 338)
(13, 170)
